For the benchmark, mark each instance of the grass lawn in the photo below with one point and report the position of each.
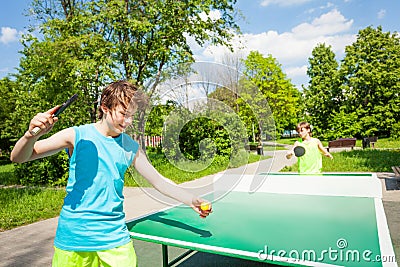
(20, 206)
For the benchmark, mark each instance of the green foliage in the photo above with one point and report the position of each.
(361, 97)
(8, 100)
(395, 131)
(342, 124)
(50, 171)
(7, 175)
(370, 80)
(240, 107)
(155, 119)
(321, 96)
(83, 45)
(279, 93)
(198, 136)
(198, 130)
(135, 40)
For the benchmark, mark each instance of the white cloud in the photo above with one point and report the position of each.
(213, 15)
(292, 49)
(283, 2)
(330, 23)
(296, 71)
(8, 35)
(381, 14)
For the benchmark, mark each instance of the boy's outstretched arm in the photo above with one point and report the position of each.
(166, 186)
(323, 150)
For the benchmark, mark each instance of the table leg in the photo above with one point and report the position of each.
(164, 255)
(165, 259)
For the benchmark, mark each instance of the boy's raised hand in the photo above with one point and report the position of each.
(45, 121)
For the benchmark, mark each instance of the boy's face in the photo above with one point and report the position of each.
(304, 132)
(119, 118)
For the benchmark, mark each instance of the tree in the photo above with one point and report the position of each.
(146, 36)
(156, 118)
(370, 74)
(81, 46)
(342, 124)
(241, 107)
(7, 107)
(322, 97)
(281, 95)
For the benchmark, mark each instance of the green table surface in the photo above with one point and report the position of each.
(334, 230)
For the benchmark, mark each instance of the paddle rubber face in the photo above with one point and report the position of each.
(299, 151)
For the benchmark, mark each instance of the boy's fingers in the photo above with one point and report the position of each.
(202, 207)
(205, 213)
(53, 110)
(44, 120)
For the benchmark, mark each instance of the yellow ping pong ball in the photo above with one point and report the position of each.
(205, 206)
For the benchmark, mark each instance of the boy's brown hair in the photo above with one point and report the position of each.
(121, 93)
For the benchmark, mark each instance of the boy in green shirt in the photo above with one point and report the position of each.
(311, 161)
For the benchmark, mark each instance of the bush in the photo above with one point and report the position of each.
(49, 171)
(5, 159)
(395, 132)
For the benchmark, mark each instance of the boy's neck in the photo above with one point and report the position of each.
(102, 127)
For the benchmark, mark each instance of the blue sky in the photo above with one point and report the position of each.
(286, 29)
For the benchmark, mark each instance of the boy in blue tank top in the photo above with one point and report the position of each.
(91, 228)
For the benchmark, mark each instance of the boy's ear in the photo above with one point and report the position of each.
(104, 108)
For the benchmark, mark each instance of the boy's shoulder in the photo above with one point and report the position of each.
(82, 126)
(316, 140)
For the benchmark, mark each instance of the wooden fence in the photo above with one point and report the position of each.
(153, 141)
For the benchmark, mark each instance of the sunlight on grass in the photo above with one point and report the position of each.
(21, 206)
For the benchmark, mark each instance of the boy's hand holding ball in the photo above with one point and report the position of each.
(205, 209)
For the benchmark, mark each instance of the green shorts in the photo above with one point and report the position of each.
(122, 256)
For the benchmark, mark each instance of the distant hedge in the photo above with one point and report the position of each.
(49, 171)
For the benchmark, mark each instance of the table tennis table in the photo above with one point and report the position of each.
(281, 218)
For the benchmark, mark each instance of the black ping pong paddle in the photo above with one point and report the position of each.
(58, 111)
(299, 151)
